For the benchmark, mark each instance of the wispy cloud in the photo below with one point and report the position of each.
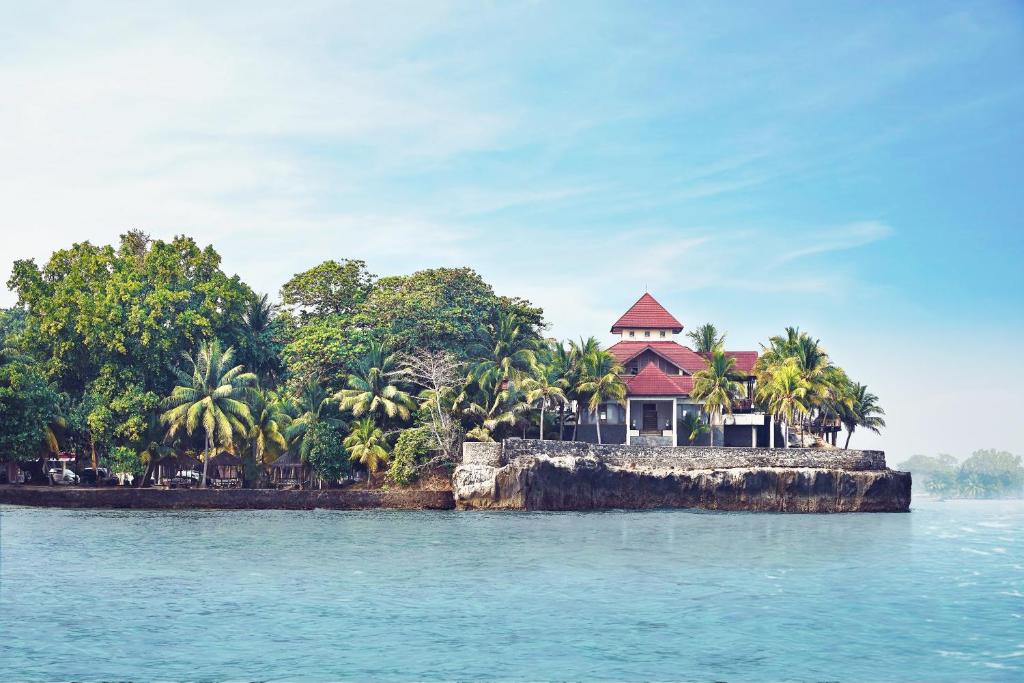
(850, 236)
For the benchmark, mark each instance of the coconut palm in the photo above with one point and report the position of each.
(603, 383)
(545, 388)
(507, 408)
(862, 411)
(367, 445)
(507, 351)
(153, 447)
(312, 405)
(581, 354)
(784, 391)
(373, 390)
(706, 338)
(715, 386)
(209, 398)
(693, 426)
(266, 437)
(559, 360)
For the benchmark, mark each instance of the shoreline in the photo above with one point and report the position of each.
(225, 499)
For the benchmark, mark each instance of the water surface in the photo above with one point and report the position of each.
(937, 594)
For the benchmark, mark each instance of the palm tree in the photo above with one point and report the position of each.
(266, 436)
(706, 338)
(545, 387)
(716, 386)
(209, 398)
(693, 426)
(507, 351)
(255, 333)
(784, 392)
(862, 411)
(559, 360)
(581, 354)
(506, 408)
(366, 444)
(312, 405)
(372, 389)
(153, 447)
(603, 384)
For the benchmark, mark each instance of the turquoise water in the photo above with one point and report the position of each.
(936, 595)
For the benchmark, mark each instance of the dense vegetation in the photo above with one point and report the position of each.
(127, 354)
(986, 474)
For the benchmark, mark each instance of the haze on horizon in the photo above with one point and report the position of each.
(851, 169)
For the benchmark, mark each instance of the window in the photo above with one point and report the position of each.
(632, 333)
(633, 369)
(647, 333)
(662, 333)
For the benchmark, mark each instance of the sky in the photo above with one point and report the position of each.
(854, 169)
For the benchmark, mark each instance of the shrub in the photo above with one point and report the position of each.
(413, 446)
(327, 454)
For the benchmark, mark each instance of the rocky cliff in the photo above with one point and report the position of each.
(525, 475)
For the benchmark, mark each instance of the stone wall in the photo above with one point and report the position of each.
(681, 457)
(227, 499)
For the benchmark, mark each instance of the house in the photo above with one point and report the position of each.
(659, 386)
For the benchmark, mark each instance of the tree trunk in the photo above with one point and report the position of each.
(206, 461)
(146, 475)
(561, 421)
(785, 434)
(95, 463)
(542, 421)
(597, 421)
(848, 435)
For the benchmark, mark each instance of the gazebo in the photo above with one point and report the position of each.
(288, 470)
(225, 470)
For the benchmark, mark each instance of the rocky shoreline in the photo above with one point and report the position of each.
(530, 475)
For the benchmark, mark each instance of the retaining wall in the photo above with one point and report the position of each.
(228, 499)
(677, 457)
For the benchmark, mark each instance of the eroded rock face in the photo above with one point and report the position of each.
(587, 483)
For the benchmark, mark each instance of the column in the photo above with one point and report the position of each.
(753, 436)
(771, 431)
(675, 407)
(628, 423)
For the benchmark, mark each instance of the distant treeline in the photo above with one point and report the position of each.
(986, 474)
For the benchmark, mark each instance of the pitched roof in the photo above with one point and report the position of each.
(651, 381)
(648, 314)
(673, 352)
(744, 360)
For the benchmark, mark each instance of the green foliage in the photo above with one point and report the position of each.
(366, 444)
(110, 322)
(716, 387)
(29, 405)
(326, 453)
(706, 338)
(333, 288)
(986, 474)
(411, 448)
(373, 387)
(124, 459)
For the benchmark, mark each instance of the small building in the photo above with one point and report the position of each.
(288, 470)
(659, 384)
(225, 471)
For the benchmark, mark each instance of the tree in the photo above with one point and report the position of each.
(313, 405)
(259, 350)
(602, 383)
(441, 375)
(208, 398)
(326, 452)
(373, 388)
(266, 436)
(715, 386)
(412, 447)
(706, 338)
(153, 448)
(504, 410)
(507, 351)
(545, 387)
(784, 390)
(692, 427)
(29, 411)
(582, 354)
(367, 445)
(862, 411)
(333, 288)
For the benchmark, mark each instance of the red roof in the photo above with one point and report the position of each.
(647, 314)
(651, 381)
(744, 360)
(673, 352)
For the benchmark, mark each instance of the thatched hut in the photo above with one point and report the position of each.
(288, 470)
(168, 467)
(225, 470)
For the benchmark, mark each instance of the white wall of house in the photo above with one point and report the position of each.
(646, 335)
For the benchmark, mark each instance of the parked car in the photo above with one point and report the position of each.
(99, 477)
(62, 475)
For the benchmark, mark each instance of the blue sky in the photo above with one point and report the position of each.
(854, 169)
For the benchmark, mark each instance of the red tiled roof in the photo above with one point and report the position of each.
(744, 360)
(673, 352)
(647, 314)
(651, 381)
